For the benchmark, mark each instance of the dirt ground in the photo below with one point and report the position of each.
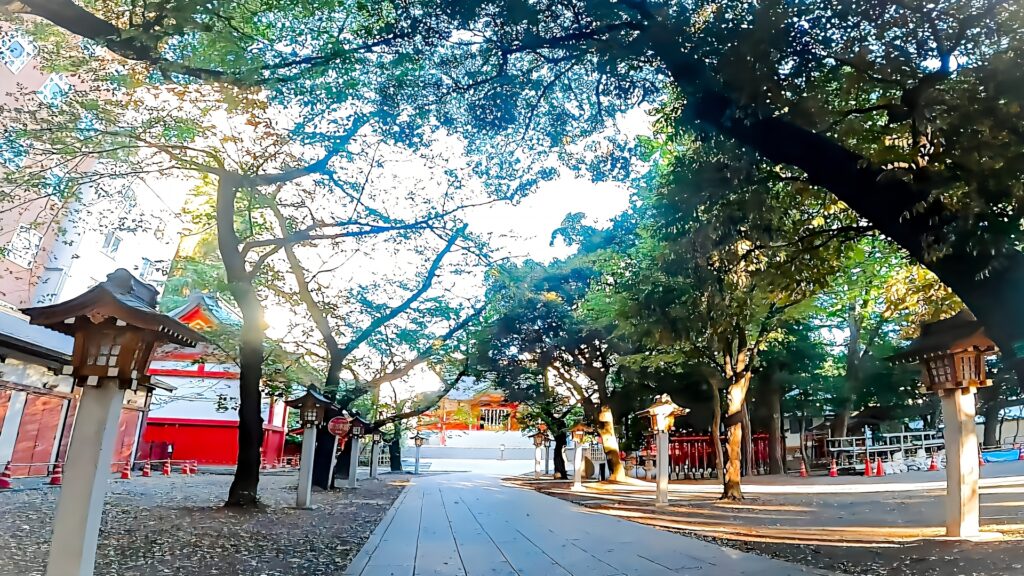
(176, 526)
(862, 526)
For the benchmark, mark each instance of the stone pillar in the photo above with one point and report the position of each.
(416, 467)
(374, 458)
(547, 460)
(11, 424)
(306, 467)
(661, 496)
(353, 463)
(577, 466)
(536, 462)
(76, 522)
(962, 470)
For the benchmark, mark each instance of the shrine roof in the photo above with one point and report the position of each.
(120, 296)
(17, 335)
(215, 308)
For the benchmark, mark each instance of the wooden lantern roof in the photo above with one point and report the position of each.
(959, 332)
(122, 297)
(311, 394)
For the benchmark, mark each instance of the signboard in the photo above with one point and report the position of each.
(339, 425)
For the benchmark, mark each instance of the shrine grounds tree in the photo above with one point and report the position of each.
(267, 155)
(727, 254)
(904, 110)
(540, 342)
(877, 298)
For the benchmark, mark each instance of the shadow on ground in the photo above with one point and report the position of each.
(847, 527)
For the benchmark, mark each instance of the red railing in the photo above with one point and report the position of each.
(696, 454)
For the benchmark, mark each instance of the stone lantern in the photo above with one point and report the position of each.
(538, 442)
(312, 407)
(418, 440)
(115, 327)
(547, 454)
(663, 414)
(357, 429)
(952, 353)
(578, 433)
(376, 443)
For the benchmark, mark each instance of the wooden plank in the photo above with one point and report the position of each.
(524, 557)
(480, 555)
(436, 553)
(397, 546)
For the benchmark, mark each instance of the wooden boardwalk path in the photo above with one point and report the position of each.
(473, 525)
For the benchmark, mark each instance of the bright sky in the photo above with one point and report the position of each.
(524, 230)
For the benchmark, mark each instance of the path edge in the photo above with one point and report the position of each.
(359, 562)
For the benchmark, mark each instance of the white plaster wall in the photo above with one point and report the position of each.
(33, 375)
(195, 398)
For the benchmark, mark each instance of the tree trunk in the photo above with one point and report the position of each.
(990, 404)
(716, 428)
(748, 442)
(841, 421)
(244, 486)
(736, 397)
(344, 458)
(776, 456)
(395, 453)
(561, 440)
(324, 455)
(606, 429)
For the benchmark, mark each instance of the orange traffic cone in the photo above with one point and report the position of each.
(981, 460)
(879, 470)
(147, 471)
(867, 467)
(803, 469)
(263, 464)
(832, 470)
(5, 478)
(126, 472)
(184, 468)
(57, 476)
(934, 465)
(167, 468)
(1020, 452)
(193, 468)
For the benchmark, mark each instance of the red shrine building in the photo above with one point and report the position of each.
(465, 412)
(198, 418)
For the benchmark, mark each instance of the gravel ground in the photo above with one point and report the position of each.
(877, 534)
(160, 526)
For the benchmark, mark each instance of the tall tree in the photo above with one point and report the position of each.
(901, 109)
(717, 273)
(541, 335)
(877, 297)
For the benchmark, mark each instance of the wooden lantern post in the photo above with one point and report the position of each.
(311, 406)
(952, 353)
(115, 326)
(663, 414)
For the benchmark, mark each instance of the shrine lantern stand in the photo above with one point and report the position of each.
(115, 327)
(951, 354)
